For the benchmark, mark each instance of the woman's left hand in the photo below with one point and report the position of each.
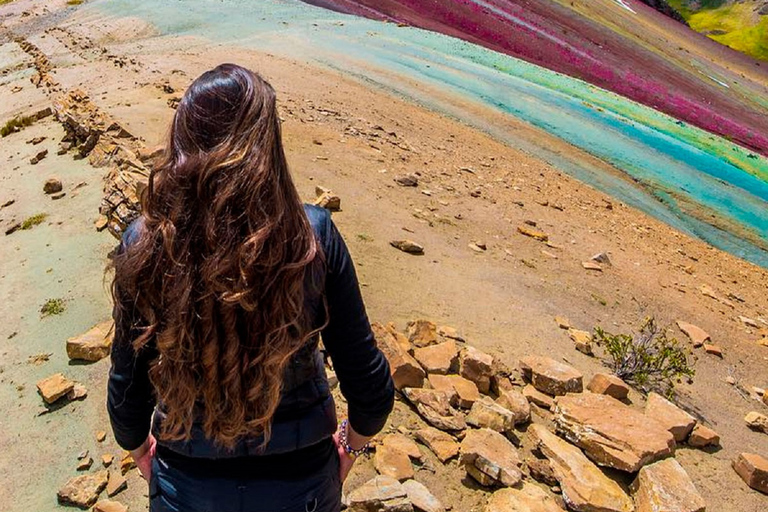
(142, 456)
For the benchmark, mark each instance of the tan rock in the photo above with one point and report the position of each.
(402, 340)
(78, 392)
(514, 401)
(562, 322)
(83, 491)
(477, 366)
(442, 358)
(390, 461)
(529, 498)
(408, 246)
(611, 433)
(493, 455)
(550, 376)
(611, 385)
(697, 335)
(536, 397)
(107, 459)
(101, 435)
(757, 421)
(585, 488)
(703, 436)
(715, 350)
(329, 201)
(665, 485)
(541, 471)
(678, 422)
(116, 483)
(501, 383)
(381, 494)
(444, 383)
(441, 444)
(449, 332)
(109, 506)
(404, 444)
(54, 387)
(466, 390)
(435, 407)
(421, 498)
(94, 345)
(486, 413)
(527, 230)
(422, 333)
(127, 463)
(406, 371)
(592, 265)
(753, 469)
(582, 340)
(85, 464)
(52, 185)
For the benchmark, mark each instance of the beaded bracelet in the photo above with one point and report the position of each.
(344, 441)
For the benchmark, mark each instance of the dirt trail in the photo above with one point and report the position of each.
(354, 140)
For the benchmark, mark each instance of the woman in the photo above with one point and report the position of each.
(221, 288)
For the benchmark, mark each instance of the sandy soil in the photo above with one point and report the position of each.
(354, 140)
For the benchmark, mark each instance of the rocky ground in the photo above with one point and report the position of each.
(479, 210)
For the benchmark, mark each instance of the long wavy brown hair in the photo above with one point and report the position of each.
(216, 276)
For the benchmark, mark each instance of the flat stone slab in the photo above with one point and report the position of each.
(585, 488)
(529, 498)
(665, 485)
(442, 445)
(492, 455)
(381, 494)
(678, 422)
(550, 376)
(610, 433)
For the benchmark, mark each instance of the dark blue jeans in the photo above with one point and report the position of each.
(171, 490)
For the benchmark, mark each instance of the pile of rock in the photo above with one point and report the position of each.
(473, 407)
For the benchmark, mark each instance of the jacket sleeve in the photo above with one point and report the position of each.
(130, 395)
(363, 371)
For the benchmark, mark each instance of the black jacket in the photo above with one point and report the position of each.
(306, 413)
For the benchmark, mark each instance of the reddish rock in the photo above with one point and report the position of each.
(106, 459)
(611, 433)
(422, 333)
(444, 383)
(678, 422)
(702, 436)
(528, 498)
(665, 486)
(715, 350)
(381, 494)
(753, 469)
(541, 471)
(442, 358)
(526, 230)
(585, 488)
(550, 376)
(757, 421)
(582, 340)
(390, 461)
(697, 335)
(54, 387)
(514, 401)
(421, 498)
(611, 385)
(442, 445)
(466, 390)
(477, 366)
(536, 397)
(85, 464)
(94, 345)
(492, 455)
(116, 483)
(406, 371)
(486, 413)
(434, 406)
(403, 443)
(109, 506)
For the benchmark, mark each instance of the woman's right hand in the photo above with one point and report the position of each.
(346, 461)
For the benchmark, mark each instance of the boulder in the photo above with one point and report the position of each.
(406, 371)
(486, 413)
(757, 421)
(477, 366)
(753, 469)
(492, 455)
(665, 485)
(536, 397)
(702, 436)
(391, 461)
(678, 422)
(422, 333)
(611, 385)
(585, 488)
(697, 335)
(401, 338)
(54, 387)
(442, 445)
(381, 494)
(421, 498)
(514, 401)
(52, 186)
(550, 376)
(610, 433)
(94, 345)
(528, 498)
(442, 358)
(404, 444)
(435, 407)
(109, 506)
(83, 491)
